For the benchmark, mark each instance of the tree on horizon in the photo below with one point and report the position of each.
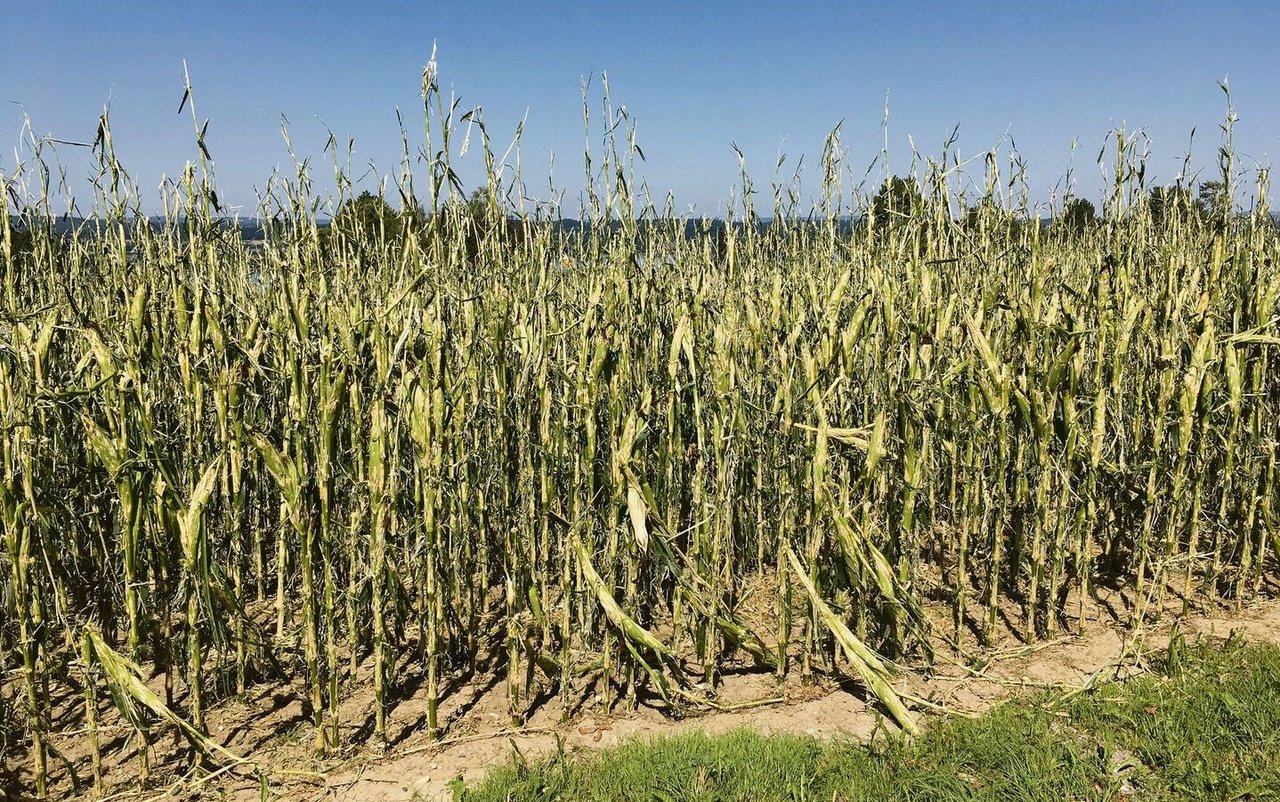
(1078, 216)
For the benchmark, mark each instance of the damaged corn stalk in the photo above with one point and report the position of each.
(382, 442)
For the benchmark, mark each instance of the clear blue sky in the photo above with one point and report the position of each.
(695, 76)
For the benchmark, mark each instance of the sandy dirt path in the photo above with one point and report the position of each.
(421, 771)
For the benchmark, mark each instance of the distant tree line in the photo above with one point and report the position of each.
(21, 241)
(899, 199)
(368, 219)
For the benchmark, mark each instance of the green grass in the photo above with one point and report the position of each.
(1203, 725)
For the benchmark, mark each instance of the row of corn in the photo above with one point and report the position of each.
(617, 454)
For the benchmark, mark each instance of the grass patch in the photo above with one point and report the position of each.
(1203, 725)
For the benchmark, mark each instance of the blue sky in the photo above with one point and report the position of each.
(694, 76)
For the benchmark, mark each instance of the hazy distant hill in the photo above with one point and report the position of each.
(254, 229)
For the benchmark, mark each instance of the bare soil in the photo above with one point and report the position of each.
(961, 684)
(270, 729)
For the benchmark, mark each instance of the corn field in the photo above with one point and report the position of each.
(810, 442)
